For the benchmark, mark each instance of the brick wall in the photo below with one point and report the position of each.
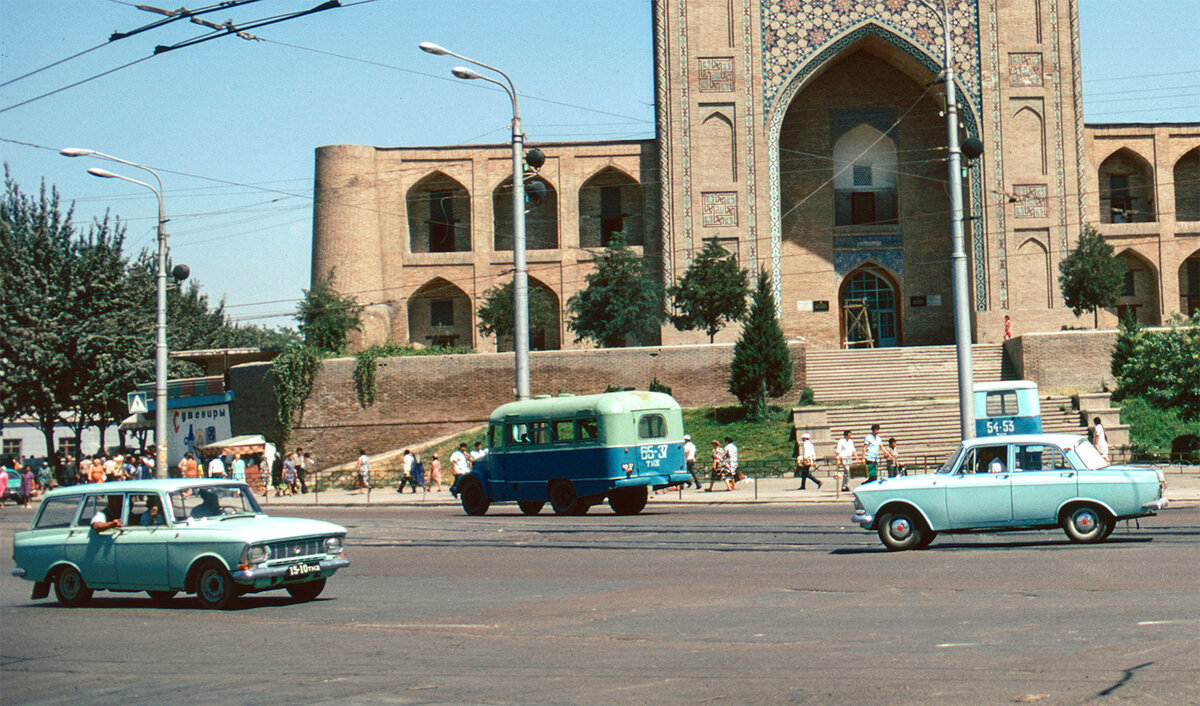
(1064, 361)
(420, 398)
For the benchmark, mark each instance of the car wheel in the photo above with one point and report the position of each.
(214, 586)
(927, 538)
(901, 530)
(470, 492)
(70, 589)
(161, 596)
(1086, 524)
(563, 498)
(531, 507)
(628, 501)
(304, 592)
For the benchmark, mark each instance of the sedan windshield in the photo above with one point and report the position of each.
(1088, 454)
(949, 464)
(212, 501)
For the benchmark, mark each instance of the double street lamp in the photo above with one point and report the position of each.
(160, 357)
(520, 271)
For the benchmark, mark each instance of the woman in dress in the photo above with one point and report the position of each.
(435, 474)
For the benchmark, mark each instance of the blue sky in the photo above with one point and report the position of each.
(247, 115)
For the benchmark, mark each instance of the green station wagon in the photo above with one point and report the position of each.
(1019, 482)
(200, 536)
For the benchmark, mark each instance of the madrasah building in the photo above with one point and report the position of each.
(808, 137)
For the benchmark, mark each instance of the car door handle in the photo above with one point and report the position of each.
(1067, 474)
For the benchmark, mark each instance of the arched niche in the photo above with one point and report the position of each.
(541, 219)
(1126, 188)
(864, 177)
(1030, 276)
(1189, 285)
(610, 202)
(545, 320)
(440, 313)
(439, 215)
(1187, 186)
(870, 293)
(1139, 292)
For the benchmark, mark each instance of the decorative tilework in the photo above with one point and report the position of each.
(980, 249)
(846, 261)
(751, 164)
(716, 75)
(794, 31)
(685, 129)
(1080, 166)
(661, 15)
(1031, 201)
(1025, 69)
(1059, 151)
(720, 209)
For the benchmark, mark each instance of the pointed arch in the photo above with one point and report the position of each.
(440, 313)
(718, 141)
(1031, 275)
(610, 202)
(877, 289)
(1026, 148)
(1126, 188)
(1187, 186)
(1139, 296)
(864, 177)
(541, 219)
(1189, 284)
(439, 209)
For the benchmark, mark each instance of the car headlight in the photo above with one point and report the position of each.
(333, 545)
(257, 554)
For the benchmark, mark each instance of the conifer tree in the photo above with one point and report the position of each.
(622, 301)
(762, 365)
(711, 293)
(1091, 277)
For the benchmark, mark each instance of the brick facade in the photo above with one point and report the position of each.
(1064, 361)
(420, 398)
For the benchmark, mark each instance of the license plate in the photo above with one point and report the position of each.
(297, 570)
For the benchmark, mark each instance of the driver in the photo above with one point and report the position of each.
(100, 521)
(209, 506)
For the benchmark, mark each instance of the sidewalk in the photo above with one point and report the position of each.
(1183, 490)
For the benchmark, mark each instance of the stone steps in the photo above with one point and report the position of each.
(896, 374)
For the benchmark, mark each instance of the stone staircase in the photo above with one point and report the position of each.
(912, 393)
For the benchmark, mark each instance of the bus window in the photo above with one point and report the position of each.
(563, 430)
(1001, 404)
(495, 437)
(589, 429)
(517, 435)
(541, 433)
(652, 426)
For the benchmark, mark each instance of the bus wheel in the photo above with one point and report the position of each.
(563, 498)
(628, 501)
(531, 507)
(470, 492)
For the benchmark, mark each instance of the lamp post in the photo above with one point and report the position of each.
(160, 352)
(520, 271)
(958, 255)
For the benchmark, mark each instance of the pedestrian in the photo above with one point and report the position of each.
(460, 464)
(309, 466)
(689, 457)
(418, 473)
(891, 456)
(276, 474)
(1007, 327)
(478, 453)
(406, 468)
(188, 467)
(96, 473)
(845, 456)
(435, 474)
(301, 469)
(237, 468)
(719, 471)
(26, 485)
(1100, 439)
(289, 486)
(806, 461)
(871, 446)
(731, 464)
(216, 467)
(362, 473)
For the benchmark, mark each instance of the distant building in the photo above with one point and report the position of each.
(807, 137)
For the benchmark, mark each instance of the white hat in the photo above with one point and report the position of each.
(687, 437)
(806, 435)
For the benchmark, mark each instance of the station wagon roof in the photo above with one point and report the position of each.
(138, 486)
(1063, 440)
(572, 405)
(1005, 385)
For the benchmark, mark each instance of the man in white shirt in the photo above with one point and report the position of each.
(845, 456)
(731, 460)
(689, 456)
(216, 467)
(461, 466)
(807, 461)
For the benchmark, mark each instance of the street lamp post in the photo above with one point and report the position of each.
(958, 255)
(520, 271)
(160, 352)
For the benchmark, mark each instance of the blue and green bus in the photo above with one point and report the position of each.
(1007, 407)
(576, 451)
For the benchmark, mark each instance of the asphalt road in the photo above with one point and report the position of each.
(697, 604)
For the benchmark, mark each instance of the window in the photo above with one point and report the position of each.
(542, 433)
(110, 505)
(652, 426)
(1120, 203)
(1127, 287)
(611, 219)
(563, 430)
(12, 448)
(66, 447)
(588, 429)
(57, 512)
(141, 513)
(1037, 457)
(864, 178)
(441, 312)
(518, 434)
(441, 221)
(1001, 404)
(986, 459)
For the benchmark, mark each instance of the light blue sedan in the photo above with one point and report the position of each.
(1031, 481)
(207, 537)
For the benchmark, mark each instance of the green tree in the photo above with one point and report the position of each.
(1090, 276)
(711, 293)
(762, 365)
(327, 317)
(1161, 367)
(622, 301)
(496, 311)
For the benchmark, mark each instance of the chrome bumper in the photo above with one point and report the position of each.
(18, 572)
(1155, 504)
(863, 519)
(270, 572)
